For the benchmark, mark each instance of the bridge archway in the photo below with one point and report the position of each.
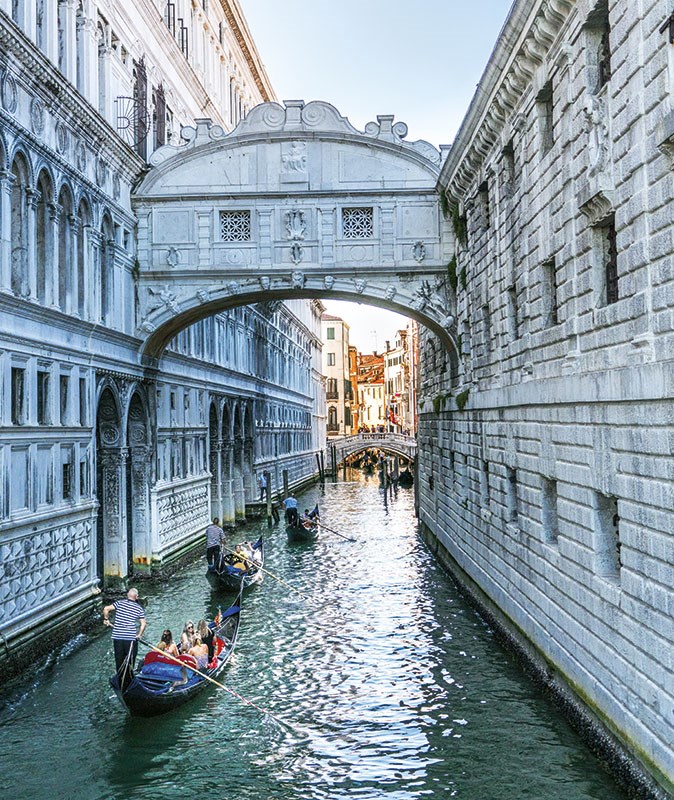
(294, 203)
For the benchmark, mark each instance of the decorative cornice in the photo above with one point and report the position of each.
(237, 23)
(523, 46)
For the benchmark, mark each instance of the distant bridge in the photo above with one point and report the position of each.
(393, 443)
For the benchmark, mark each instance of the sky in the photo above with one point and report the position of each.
(420, 61)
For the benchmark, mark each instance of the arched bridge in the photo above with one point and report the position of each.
(293, 203)
(394, 443)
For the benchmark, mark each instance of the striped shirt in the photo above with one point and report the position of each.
(127, 612)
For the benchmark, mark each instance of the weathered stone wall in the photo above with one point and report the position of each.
(552, 490)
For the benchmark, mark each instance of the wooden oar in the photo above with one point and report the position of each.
(208, 678)
(245, 560)
(332, 530)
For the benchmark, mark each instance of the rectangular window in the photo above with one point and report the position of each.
(66, 474)
(18, 396)
(509, 171)
(42, 397)
(607, 536)
(170, 17)
(484, 483)
(330, 333)
(611, 264)
(598, 47)
(606, 262)
(549, 293)
(486, 319)
(331, 359)
(545, 109)
(358, 223)
(64, 386)
(45, 491)
(485, 209)
(549, 517)
(512, 510)
(83, 401)
(235, 226)
(84, 487)
(513, 312)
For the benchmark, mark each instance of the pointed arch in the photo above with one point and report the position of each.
(65, 220)
(19, 223)
(45, 210)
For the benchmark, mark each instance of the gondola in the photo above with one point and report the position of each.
(162, 685)
(226, 577)
(302, 533)
(406, 478)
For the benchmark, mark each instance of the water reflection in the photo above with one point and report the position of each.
(382, 683)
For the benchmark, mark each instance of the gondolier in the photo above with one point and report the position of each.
(128, 612)
(290, 505)
(214, 536)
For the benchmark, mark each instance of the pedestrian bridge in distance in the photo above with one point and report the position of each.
(392, 443)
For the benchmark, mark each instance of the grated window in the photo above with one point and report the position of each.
(235, 226)
(358, 223)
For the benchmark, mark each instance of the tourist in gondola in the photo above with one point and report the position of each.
(188, 637)
(207, 637)
(200, 652)
(167, 645)
(214, 539)
(128, 613)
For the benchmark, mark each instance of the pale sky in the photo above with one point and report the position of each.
(420, 61)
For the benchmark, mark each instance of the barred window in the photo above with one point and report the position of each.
(235, 226)
(357, 223)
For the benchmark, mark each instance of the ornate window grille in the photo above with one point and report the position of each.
(357, 223)
(235, 226)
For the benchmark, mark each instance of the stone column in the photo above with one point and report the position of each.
(228, 505)
(31, 255)
(6, 183)
(50, 28)
(52, 267)
(67, 15)
(89, 57)
(94, 240)
(105, 105)
(249, 484)
(239, 489)
(112, 496)
(73, 263)
(140, 509)
(216, 479)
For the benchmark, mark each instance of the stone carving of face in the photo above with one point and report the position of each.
(329, 281)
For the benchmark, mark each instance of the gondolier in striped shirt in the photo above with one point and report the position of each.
(128, 612)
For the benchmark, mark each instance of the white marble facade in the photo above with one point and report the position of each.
(546, 462)
(108, 468)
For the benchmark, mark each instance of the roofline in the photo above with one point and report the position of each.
(237, 22)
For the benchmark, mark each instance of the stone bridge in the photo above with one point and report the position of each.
(393, 443)
(293, 203)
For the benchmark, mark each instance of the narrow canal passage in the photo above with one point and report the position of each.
(384, 682)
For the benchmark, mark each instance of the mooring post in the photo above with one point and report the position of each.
(333, 454)
(285, 483)
(267, 476)
(322, 469)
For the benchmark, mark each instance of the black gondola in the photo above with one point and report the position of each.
(162, 684)
(302, 532)
(406, 478)
(226, 577)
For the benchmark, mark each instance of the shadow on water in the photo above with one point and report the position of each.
(382, 683)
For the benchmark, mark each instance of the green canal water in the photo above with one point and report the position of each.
(382, 683)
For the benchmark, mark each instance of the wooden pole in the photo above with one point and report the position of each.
(322, 469)
(344, 471)
(267, 476)
(318, 467)
(333, 454)
(285, 483)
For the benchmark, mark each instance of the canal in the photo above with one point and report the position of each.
(382, 683)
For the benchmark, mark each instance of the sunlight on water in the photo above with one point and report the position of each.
(382, 683)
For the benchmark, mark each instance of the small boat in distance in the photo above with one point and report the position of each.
(302, 532)
(164, 682)
(234, 571)
(304, 528)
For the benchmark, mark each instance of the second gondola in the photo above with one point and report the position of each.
(232, 569)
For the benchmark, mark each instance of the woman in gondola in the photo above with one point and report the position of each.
(187, 637)
(167, 644)
(207, 637)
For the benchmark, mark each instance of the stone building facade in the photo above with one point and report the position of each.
(337, 371)
(546, 474)
(107, 468)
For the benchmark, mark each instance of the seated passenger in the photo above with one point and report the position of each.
(187, 637)
(166, 643)
(207, 637)
(200, 652)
